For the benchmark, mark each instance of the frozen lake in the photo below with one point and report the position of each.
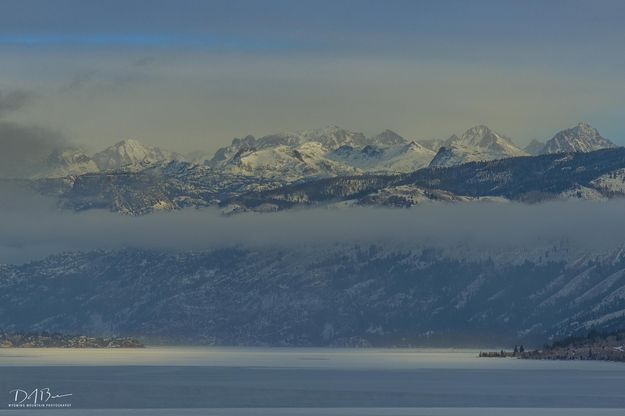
(274, 381)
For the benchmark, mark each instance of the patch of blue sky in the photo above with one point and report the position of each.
(144, 40)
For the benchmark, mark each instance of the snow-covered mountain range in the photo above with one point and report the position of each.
(175, 185)
(333, 151)
(327, 152)
(593, 175)
(335, 165)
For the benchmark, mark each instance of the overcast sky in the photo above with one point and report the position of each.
(192, 75)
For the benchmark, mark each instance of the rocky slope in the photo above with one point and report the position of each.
(581, 138)
(158, 187)
(476, 144)
(317, 295)
(175, 185)
(66, 162)
(534, 148)
(327, 152)
(386, 169)
(594, 175)
(131, 153)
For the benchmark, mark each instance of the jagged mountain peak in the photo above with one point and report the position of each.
(414, 146)
(325, 130)
(128, 146)
(268, 149)
(334, 136)
(479, 143)
(327, 150)
(129, 143)
(66, 161)
(388, 138)
(482, 136)
(249, 139)
(131, 152)
(579, 138)
(534, 147)
(68, 155)
(331, 136)
(480, 129)
(582, 128)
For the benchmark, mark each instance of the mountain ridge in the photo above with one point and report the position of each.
(271, 173)
(580, 138)
(477, 144)
(131, 152)
(325, 152)
(594, 175)
(349, 295)
(177, 185)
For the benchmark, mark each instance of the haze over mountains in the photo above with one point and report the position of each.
(149, 276)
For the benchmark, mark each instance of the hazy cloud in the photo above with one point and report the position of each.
(80, 79)
(13, 100)
(145, 61)
(24, 149)
(105, 79)
(476, 228)
(230, 68)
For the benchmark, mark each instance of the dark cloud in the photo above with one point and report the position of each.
(24, 149)
(81, 78)
(13, 100)
(126, 74)
(472, 229)
(145, 61)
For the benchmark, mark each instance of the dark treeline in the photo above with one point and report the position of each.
(596, 345)
(58, 340)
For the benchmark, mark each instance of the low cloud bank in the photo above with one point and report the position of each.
(24, 148)
(13, 100)
(30, 228)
